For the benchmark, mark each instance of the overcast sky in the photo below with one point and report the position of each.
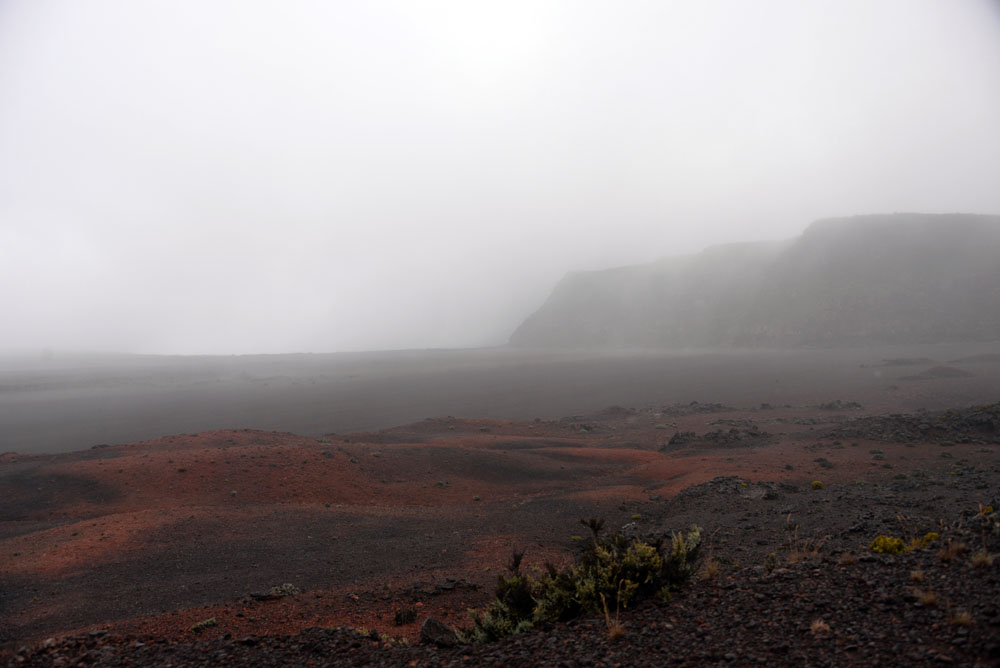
(203, 176)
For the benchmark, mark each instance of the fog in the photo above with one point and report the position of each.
(260, 177)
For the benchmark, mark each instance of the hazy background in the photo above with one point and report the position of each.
(234, 177)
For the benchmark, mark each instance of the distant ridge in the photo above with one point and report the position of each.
(899, 278)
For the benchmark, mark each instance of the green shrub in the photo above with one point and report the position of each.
(611, 570)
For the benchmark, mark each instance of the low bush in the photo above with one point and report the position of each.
(887, 545)
(611, 570)
(891, 545)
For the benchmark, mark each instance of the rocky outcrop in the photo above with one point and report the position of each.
(902, 278)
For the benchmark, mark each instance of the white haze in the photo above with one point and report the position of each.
(184, 176)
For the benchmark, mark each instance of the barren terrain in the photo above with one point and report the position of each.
(135, 545)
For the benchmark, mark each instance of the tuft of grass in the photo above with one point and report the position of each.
(818, 626)
(615, 629)
(770, 562)
(927, 598)
(982, 559)
(800, 548)
(951, 551)
(816, 484)
(711, 570)
(960, 618)
(848, 559)
(917, 575)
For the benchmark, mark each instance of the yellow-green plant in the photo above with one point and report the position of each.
(887, 545)
(924, 541)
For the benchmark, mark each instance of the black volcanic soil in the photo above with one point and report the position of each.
(110, 556)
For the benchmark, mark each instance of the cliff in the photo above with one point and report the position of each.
(901, 278)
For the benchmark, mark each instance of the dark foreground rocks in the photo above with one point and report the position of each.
(934, 605)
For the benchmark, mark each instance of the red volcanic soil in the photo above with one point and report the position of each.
(149, 539)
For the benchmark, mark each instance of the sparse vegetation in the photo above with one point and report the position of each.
(816, 484)
(611, 569)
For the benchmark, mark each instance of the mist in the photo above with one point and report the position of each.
(263, 177)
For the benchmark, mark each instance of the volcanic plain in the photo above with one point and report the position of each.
(253, 534)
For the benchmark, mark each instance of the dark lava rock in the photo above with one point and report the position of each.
(435, 632)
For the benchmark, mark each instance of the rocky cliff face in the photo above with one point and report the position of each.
(902, 278)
